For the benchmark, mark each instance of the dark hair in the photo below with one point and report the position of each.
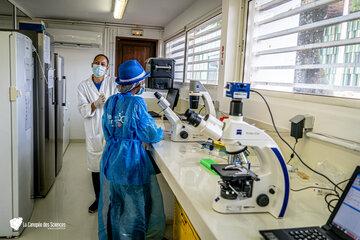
(102, 55)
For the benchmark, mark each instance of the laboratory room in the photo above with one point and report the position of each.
(180, 119)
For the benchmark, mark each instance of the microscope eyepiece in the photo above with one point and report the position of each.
(193, 118)
(157, 95)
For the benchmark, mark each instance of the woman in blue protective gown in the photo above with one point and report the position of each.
(130, 205)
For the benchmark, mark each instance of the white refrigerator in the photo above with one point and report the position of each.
(16, 132)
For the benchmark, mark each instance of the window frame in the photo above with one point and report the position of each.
(186, 54)
(320, 98)
(177, 35)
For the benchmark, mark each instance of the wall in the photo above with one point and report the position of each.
(195, 12)
(78, 60)
(6, 22)
(335, 117)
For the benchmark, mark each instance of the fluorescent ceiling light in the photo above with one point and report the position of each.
(119, 8)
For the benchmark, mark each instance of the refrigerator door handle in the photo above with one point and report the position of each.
(64, 91)
(53, 99)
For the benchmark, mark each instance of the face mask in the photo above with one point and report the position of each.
(141, 91)
(98, 70)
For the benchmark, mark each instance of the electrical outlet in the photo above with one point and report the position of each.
(309, 122)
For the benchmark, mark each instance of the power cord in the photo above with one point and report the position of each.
(336, 195)
(292, 154)
(201, 109)
(282, 139)
(311, 187)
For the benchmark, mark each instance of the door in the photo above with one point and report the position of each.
(66, 129)
(59, 110)
(44, 84)
(133, 48)
(22, 126)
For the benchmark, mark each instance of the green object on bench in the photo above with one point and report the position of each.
(206, 162)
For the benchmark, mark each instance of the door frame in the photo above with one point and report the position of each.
(134, 40)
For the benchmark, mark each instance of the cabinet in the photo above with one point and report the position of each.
(183, 229)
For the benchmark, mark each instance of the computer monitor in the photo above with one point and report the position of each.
(345, 219)
(173, 97)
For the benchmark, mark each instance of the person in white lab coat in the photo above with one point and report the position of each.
(92, 94)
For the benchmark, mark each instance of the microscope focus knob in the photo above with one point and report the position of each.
(262, 200)
(184, 134)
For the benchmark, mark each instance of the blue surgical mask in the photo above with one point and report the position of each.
(141, 91)
(98, 70)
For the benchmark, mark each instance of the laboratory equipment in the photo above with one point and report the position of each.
(172, 97)
(60, 104)
(180, 131)
(196, 91)
(241, 189)
(162, 72)
(16, 132)
(44, 113)
(343, 223)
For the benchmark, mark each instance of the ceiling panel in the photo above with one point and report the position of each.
(143, 12)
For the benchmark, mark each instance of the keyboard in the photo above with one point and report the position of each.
(308, 233)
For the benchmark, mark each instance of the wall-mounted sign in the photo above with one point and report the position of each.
(137, 32)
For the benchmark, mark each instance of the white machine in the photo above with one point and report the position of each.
(180, 131)
(243, 190)
(16, 132)
(196, 91)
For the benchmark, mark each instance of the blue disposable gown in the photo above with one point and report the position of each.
(130, 205)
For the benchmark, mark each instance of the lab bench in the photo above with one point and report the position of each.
(195, 188)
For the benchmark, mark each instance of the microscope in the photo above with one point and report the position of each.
(180, 131)
(196, 91)
(242, 189)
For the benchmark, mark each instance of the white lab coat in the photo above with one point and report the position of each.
(87, 94)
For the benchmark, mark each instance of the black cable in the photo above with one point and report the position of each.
(201, 109)
(333, 201)
(311, 187)
(292, 154)
(337, 185)
(282, 139)
(337, 197)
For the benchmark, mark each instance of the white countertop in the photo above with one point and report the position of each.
(195, 188)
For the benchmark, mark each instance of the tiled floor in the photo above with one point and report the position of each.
(67, 202)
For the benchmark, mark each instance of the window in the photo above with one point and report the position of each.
(203, 52)
(175, 48)
(304, 46)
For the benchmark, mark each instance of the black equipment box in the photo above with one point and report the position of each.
(161, 67)
(162, 72)
(159, 83)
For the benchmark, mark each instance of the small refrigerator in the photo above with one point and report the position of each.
(16, 132)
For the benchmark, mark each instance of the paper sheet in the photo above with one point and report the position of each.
(47, 54)
(50, 78)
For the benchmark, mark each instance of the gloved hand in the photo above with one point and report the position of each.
(100, 101)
